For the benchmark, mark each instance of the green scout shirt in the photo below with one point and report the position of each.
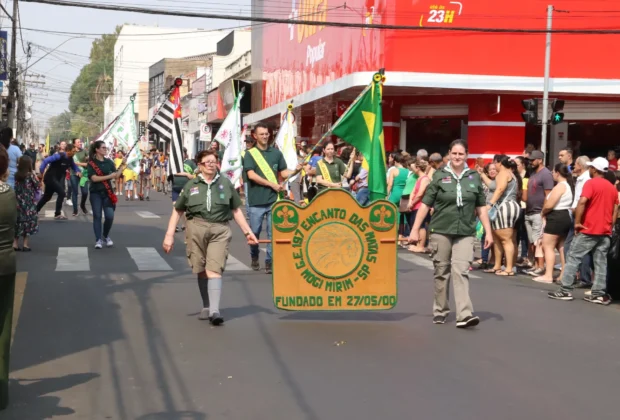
(79, 157)
(336, 170)
(107, 167)
(224, 199)
(448, 219)
(189, 166)
(259, 195)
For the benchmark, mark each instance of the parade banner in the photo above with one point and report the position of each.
(334, 255)
(229, 136)
(123, 135)
(285, 140)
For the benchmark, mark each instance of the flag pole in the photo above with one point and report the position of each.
(329, 132)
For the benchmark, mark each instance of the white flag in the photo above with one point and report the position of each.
(285, 140)
(123, 135)
(229, 136)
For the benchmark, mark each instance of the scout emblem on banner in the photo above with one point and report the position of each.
(229, 136)
(334, 255)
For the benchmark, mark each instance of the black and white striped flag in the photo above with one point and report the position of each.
(167, 124)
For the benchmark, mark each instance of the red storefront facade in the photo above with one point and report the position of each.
(477, 78)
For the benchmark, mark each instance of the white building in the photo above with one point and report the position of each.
(138, 47)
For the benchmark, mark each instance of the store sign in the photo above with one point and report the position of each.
(334, 255)
(141, 128)
(205, 132)
(215, 109)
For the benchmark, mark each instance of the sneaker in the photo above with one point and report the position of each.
(108, 242)
(470, 321)
(60, 217)
(601, 300)
(204, 314)
(75, 214)
(268, 267)
(69, 203)
(99, 244)
(439, 319)
(216, 319)
(560, 295)
(85, 211)
(255, 264)
(536, 272)
(147, 198)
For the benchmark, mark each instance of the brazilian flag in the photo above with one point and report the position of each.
(362, 127)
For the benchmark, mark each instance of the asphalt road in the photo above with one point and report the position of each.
(116, 340)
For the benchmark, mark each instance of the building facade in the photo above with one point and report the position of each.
(443, 81)
(138, 47)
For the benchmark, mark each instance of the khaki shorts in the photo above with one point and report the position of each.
(207, 245)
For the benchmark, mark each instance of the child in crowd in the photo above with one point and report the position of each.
(26, 191)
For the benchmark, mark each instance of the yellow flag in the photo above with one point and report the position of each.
(47, 144)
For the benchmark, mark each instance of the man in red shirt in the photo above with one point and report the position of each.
(596, 211)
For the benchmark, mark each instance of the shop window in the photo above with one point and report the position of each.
(433, 134)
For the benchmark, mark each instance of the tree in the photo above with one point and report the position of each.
(92, 86)
(60, 128)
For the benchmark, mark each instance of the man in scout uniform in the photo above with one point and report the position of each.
(261, 165)
(209, 201)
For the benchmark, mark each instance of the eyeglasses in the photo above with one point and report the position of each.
(208, 163)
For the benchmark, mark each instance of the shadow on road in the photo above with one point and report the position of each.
(349, 316)
(176, 415)
(29, 399)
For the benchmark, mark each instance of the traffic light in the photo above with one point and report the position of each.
(531, 114)
(556, 106)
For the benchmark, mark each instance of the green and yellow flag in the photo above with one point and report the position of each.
(362, 127)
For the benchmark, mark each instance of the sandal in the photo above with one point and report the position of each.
(492, 270)
(26, 249)
(505, 273)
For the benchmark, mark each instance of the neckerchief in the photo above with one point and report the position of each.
(459, 191)
(209, 189)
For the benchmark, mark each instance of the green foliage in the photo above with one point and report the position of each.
(88, 93)
(60, 127)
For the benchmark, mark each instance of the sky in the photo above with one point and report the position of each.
(63, 66)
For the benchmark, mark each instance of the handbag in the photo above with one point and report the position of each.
(493, 209)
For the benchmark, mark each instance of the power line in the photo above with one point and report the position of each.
(144, 10)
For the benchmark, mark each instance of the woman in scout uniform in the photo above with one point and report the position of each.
(209, 202)
(331, 169)
(456, 195)
(100, 172)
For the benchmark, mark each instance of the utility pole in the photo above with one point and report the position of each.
(545, 109)
(13, 71)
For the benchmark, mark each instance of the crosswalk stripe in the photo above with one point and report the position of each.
(148, 259)
(72, 259)
(49, 214)
(147, 215)
(233, 264)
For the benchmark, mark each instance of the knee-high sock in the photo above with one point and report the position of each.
(215, 293)
(204, 292)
